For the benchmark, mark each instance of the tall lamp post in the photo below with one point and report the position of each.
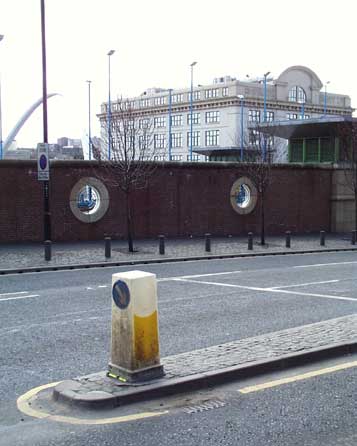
(265, 112)
(111, 52)
(170, 123)
(241, 97)
(325, 98)
(1, 154)
(89, 124)
(46, 187)
(191, 109)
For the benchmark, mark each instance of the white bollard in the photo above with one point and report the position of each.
(135, 352)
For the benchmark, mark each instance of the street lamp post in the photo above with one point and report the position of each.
(241, 97)
(191, 109)
(265, 111)
(325, 98)
(89, 124)
(303, 109)
(111, 52)
(1, 154)
(46, 187)
(170, 123)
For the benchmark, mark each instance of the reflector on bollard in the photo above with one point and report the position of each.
(135, 334)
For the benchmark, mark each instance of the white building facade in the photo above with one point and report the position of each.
(222, 111)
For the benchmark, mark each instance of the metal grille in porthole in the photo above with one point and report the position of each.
(243, 195)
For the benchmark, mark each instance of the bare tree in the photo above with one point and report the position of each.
(347, 134)
(262, 150)
(133, 155)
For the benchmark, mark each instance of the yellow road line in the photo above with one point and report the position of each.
(23, 404)
(291, 379)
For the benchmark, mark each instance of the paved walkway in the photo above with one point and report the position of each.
(200, 365)
(32, 254)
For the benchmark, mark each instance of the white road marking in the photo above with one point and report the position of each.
(102, 286)
(269, 290)
(10, 294)
(221, 284)
(324, 264)
(299, 293)
(50, 324)
(304, 284)
(19, 297)
(197, 275)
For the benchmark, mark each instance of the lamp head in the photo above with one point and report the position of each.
(240, 96)
(1, 37)
(193, 64)
(111, 52)
(267, 74)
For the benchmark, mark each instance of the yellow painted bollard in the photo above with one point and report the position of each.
(135, 354)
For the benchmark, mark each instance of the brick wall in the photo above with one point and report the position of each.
(181, 199)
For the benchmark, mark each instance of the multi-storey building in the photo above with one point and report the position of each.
(223, 112)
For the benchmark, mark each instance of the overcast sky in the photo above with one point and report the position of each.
(155, 42)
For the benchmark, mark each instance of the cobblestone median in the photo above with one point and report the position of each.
(32, 255)
(268, 347)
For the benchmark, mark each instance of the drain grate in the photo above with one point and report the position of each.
(208, 405)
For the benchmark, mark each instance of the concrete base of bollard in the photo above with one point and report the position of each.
(147, 374)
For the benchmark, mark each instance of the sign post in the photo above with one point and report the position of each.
(43, 165)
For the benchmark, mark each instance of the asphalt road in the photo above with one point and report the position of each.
(56, 325)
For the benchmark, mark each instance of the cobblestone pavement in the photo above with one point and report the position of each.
(266, 347)
(23, 255)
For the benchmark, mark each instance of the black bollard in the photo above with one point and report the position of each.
(250, 240)
(322, 238)
(161, 244)
(108, 247)
(353, 238)
(208, 242)
(288, 239)
(48, 250)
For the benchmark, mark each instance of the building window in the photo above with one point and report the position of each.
(225, 91)
(176, 120)
(212, 137)
(212, 116)
(159, 141)
(196, 139)
(176, 139)
(269, 116)
(144, 142)
(159, 121)
(176, 157)
(196, 118)
(211, 93)
(143, 123)
(196, 96)
(297, 94)
(291, 116)
(254, 138)
(130, 142)
(145, 103)
(194, 158)
(304, 117)
(177, 98)
(160, 100)
(254, 116)
(159, 158)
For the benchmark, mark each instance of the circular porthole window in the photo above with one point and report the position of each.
(89, 200)
(243, 195)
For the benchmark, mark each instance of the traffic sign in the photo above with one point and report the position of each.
(43, 165)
